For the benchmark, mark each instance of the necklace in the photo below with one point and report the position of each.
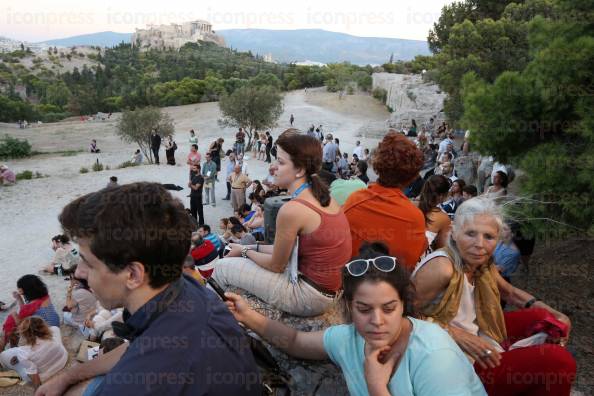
(300, 190)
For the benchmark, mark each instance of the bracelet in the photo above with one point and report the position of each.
(530, 302)
(257, 246)
(244, 251)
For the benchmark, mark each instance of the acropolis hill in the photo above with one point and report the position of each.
(175, 36)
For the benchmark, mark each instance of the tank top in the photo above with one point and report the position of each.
(323, 252)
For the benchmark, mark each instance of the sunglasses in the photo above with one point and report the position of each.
(382, 263)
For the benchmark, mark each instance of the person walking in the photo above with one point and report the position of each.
(193, 138)
(292, 119)
(240, 141)
(155, 145)
(209, 173)
(195, 184)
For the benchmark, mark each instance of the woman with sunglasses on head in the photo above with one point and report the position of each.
(382, 350)
(460, 288)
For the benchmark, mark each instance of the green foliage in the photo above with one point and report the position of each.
(97, 167)
(24, 175)
(380, 94)
(540, 116)
(29, 175)
(84, 170)
(136, 126)
(14, 148)
(253, 108)
(127, 164)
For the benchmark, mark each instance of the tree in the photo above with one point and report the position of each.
(136, 126)
(541, 118)
(253, 108)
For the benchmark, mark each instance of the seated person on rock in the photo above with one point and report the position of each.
(80, 301)
(308, 286)
(382, 212)
(460, 288)
(180, 333)
(40, 353)
(65, 258)
(383, 349)
(32, 300)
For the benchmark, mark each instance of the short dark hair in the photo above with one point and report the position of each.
(237, 228)
(134, 222)
(205, 227)
(61, 238)
(470, 189)
(245, 208)
(111, 343)
(113, 178)
(504, 178)
(399, 279)
(195, 146)
(362, 166)
(33, 287)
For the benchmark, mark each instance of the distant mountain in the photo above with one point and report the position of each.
(101, 39)
(322, 46)
(290, 45)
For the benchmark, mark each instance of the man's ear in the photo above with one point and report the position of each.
(137, 275)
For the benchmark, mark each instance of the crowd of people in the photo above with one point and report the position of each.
(418, 261)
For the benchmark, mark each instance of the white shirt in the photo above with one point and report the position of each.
(358, 150)
(45, 358)
(443, 145)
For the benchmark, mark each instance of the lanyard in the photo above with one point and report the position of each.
(300, 190)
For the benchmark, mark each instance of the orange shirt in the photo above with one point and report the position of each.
(385, 214)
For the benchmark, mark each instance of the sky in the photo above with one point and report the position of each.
(39, 20)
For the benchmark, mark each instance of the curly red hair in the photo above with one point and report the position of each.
(397, 160)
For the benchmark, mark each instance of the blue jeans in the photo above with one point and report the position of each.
(91, 389)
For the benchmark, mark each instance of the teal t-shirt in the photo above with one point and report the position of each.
(432, 364)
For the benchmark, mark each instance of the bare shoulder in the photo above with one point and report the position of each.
(440, 269)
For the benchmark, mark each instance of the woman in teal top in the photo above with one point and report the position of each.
(383, 350)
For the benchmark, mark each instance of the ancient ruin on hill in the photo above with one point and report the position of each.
(175, 36)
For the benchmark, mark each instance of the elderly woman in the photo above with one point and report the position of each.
(382, 350)
(460, 288)
(382, 212)
(300, 273)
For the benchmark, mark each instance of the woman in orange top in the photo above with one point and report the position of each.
(382, 212)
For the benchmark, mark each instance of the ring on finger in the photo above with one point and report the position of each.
(487, 353)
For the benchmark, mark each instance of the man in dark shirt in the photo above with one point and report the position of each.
(183, 340)
(155, 145)
(196, 183)
(268, 147)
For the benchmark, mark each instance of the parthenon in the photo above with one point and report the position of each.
(175, 35)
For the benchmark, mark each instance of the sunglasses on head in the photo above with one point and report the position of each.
(359, 267)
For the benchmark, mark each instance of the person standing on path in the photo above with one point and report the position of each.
(292, 119)
(240, 142)
(193, 138)
(170, 147)
(155, 145)
(209, 172)
(229, 166)
(195, 184)
(269, 141)
(239, 183)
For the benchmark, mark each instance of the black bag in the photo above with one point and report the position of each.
(275, 382)
(174, 146)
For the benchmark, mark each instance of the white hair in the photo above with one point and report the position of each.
(466, 213)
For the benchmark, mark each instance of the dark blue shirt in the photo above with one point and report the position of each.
(195, 347)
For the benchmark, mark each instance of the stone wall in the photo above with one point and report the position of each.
(410, 98)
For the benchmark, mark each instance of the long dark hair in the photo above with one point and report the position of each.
(306, 153)
(399, 279)
(33, 287)
(434, 188)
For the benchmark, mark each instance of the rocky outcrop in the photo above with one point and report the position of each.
(409, 97)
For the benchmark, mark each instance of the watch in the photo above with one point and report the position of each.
(244, 251)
